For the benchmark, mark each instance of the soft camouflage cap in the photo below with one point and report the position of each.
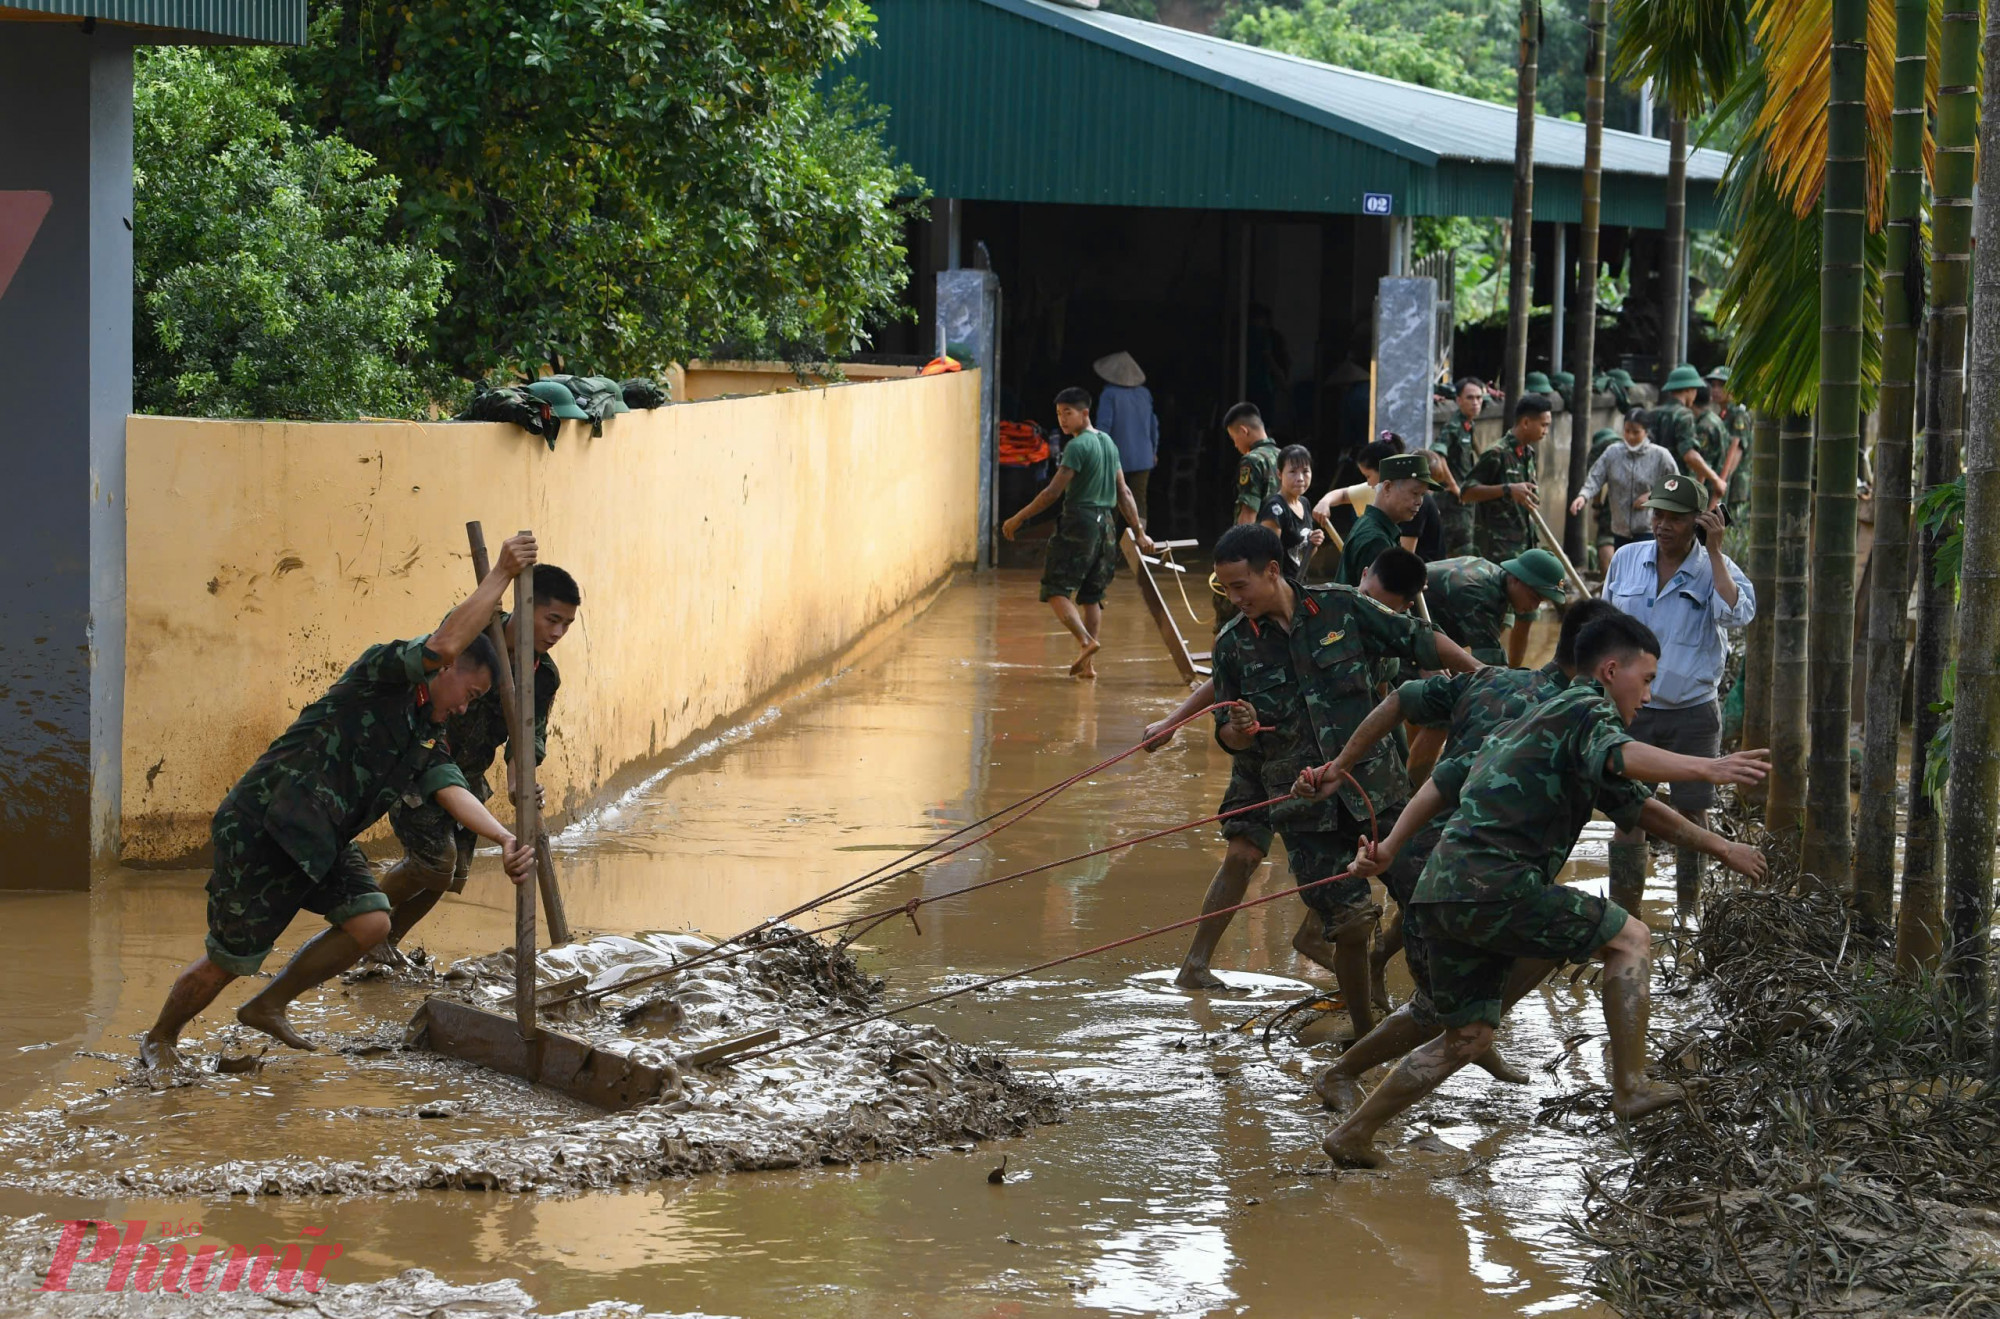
(1539, 569)
(1408, 467)
(561, 402)
(1678, 494)
(1681, 377)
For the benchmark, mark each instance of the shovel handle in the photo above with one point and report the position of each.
(526, 826)
(1555, 546)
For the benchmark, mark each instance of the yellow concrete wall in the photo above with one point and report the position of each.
(700, 380)
(720, 547)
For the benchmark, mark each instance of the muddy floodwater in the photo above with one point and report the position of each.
(1184, 1177)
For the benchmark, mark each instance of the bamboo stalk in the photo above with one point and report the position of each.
(526, 822)
(1596, 22)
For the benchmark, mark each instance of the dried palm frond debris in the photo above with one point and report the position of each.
(1840, 1155)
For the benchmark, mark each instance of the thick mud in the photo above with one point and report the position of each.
(884, 1090)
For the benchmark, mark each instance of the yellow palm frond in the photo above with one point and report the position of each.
(1795, 39)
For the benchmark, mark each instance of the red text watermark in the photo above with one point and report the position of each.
(167, 1265)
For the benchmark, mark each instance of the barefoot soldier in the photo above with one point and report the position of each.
(1488, 894)
(1297, 663)
(1083, 553)
(437, 847)
(1472, 706)
(1392, 581)
(1470, 598)
(284, 835)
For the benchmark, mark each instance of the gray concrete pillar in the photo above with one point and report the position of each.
(66, 337)
(968, 312)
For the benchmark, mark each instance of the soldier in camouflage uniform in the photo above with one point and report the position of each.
(284, 835)
(1454, 441)
(1471, 707)
(1488, 896)
(1736, 420)
(1083, 554)
(1403, 481)
(437, 849)
(1257, 480)
(1676, 427)
(1470, 598)
(1296, 667)
(1247, 833)
(1502, 487)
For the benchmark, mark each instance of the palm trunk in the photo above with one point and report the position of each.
(1586, 266)
(1763, 569)
(1889, 562)
(1520, 288)
(1784, 807)
(1920, 932)
(1826, 856)
(1673, 267)
(1973, 793)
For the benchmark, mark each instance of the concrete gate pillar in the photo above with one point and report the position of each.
(66, 340)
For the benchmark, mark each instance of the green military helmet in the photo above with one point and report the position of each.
(560, 401)
(609, 390)
(1678, 494)
(1719, 373)
(1681, 377)
(1408, 467)
(1539, 569)
(1565, 382)
(1538, 383)
(1604, 435)
(1621, 375)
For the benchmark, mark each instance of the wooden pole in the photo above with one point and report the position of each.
(1555, 546)
(526, 823)
(503, 683)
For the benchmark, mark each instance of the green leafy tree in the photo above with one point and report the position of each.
(264, 285)
(622, 183)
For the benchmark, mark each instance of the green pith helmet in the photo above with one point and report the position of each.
(1678, 494)
(561, 402)
(1541, 570)
(1681, 377)
(1538, 383)
(1621, 375)
(1605, 436)
(1719, 373)
(1564, 381)
(1408, 467)
(609, 390)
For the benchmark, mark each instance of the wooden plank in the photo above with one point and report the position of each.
(723, 1049)
(1156, 605)
(550, 1058)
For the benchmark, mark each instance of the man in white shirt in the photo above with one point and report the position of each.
(1682, 586)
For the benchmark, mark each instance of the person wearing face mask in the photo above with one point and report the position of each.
(1626, 473)
(1682, 586)
(284, 835)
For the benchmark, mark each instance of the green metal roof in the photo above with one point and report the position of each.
(263, 22)
(1024, 100)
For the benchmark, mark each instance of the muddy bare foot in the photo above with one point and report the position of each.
(1655, 1096)
(1339, 1093)
(1199, 977)
(160, 1055)
(1352, 1151)
(1083, 668)
(389, 955)
(270, 1019)
(1497, 1067)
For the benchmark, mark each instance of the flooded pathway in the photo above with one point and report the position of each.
(1186, 1179)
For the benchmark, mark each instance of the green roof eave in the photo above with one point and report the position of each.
(258, 22)
(1223, 82)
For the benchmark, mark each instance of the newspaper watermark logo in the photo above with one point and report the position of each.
(168, 1264)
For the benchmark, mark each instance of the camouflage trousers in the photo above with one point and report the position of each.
(1316, 854)
(435, 841)
(1457, 520)
(256, 888)
(1082, 555)
(1246, 789)
(1473, 945)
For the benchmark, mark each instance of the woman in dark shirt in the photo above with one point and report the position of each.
(1285, 511)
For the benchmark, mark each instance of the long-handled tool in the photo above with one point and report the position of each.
(1156, 605)
(503, 683)
(518, 1045)
(1555, 546)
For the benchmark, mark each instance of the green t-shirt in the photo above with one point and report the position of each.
(1093, 456)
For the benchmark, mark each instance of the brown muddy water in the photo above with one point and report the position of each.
(1184, 1178)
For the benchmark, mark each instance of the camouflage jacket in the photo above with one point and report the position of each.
(1372, 533)
(1257, 476)
(1674, 430)
(1712, 438)
(1473, 705)
(479, 734)
(347, 757)
(1468, 602)
(1524, 798)
(1312, 686)
(1502, 528)
(1454, 441)
(1736, 420)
